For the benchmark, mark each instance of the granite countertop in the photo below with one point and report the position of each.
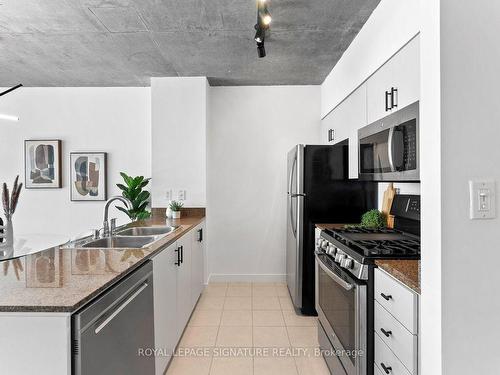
(405, 271)
(30, 243)
(63, 280)
(330, 226)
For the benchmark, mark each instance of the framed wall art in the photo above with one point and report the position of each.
(88, 176)
(42, 164)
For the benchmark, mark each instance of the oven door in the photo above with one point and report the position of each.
(388, 148)
(341, 305)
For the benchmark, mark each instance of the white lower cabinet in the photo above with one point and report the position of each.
(165, 305)
(197, 264)
(184, 306)
(396, 326)
(386, 360)
(174, 269)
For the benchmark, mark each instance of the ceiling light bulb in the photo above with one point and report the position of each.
(8, 117)
(266, 20)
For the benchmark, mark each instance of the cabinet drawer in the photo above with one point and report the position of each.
(385, 357)
(400, 340)
(400, 301)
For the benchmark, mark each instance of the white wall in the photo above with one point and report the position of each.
(114, 120)
(179, 119)
(469, 134)
(250, 131)
(431, 190)
(392, 24)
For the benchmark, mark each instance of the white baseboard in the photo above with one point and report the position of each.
(257, 278)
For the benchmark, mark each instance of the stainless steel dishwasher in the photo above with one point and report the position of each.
(110, 332)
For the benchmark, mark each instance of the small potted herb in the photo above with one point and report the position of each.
(176, 206)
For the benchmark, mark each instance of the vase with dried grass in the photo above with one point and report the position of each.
(9, 202)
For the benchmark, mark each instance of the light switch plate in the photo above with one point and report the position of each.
(482, 199)
(182, 195)
(168, 195)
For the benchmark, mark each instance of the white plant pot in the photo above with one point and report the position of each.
(176, 214)
(169, 213)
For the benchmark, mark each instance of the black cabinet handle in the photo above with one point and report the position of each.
(386, 333)
(331, 133)
(387, 107)
(394, 96)
(178, 251)
(386, 368)
(200, 235)
(182, 254)
(387, 298)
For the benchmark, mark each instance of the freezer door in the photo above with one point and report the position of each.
(295, 204)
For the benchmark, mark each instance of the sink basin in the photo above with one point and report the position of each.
(145, 231)
(120, 242)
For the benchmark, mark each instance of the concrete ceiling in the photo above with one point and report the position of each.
(125, 42)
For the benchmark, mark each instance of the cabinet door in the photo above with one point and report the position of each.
(197, 265)
(402, 72)
(345, 120)
(184, 306)
(165, 305)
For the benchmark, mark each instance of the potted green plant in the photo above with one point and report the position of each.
(176, 206)
(134, 191)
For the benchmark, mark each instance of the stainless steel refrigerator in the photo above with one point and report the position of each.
(319, 191)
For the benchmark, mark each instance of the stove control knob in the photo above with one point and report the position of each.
(324, 244)
(347, 263)
(339, 257)
(332, 250)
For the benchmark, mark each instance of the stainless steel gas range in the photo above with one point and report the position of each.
(344, 284)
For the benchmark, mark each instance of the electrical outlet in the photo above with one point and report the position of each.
(168, 195)
(182, 195)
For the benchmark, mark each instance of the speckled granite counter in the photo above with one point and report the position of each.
(62, 280)
(406, 271)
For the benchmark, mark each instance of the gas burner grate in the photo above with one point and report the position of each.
(379, 243)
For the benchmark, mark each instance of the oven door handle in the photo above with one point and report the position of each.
(336, 278)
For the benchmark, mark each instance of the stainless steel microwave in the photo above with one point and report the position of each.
(389, 148)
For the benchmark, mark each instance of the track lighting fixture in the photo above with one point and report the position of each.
(9, 117)
(263, 21)
(11, 89)
(261, 50)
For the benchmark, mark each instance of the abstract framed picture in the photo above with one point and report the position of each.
(88, 176)
(42, 164)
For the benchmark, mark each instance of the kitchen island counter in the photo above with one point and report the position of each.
(64, 279)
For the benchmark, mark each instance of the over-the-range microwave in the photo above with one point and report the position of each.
(389, 148)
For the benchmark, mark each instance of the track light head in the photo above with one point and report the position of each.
(260, 35)
(261, 50)
(263, 21)
(266, 19)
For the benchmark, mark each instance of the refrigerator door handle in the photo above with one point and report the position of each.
(297, 195)
(292, 195)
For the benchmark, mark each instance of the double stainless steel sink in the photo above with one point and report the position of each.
(133, 238)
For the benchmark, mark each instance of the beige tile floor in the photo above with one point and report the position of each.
(256, 325)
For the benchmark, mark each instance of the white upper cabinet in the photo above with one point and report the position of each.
(343, 124)
(396, 84)
(398, 80)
